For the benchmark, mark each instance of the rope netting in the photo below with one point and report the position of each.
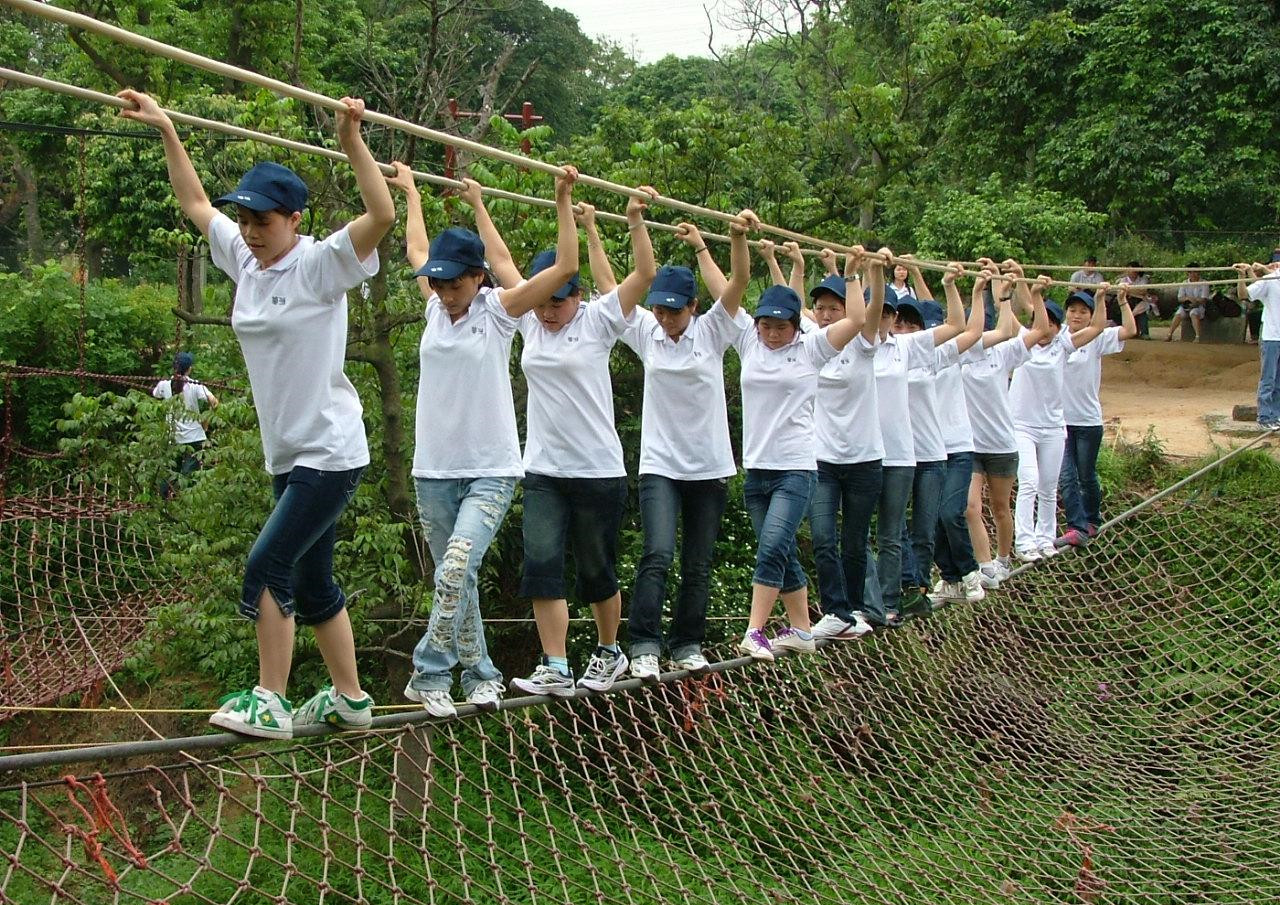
(80, 586)
(1101, 729)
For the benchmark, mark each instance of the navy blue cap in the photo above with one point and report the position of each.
(890, 299)
(910, 306)
(780, 302)
(673, 287)
(267, 187)
(182, 362)
(834, 284)
(453, 253)
(541, 262)
(932, 312)
(1056, 313)
(1083, 298)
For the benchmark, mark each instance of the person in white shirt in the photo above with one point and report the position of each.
(779, 378)
(1081, 380)
(850, 450)
(575, 485)
(466, 458)
(1035, 398)
(1193, 296)
(995, 447)
(188, 433)
(1265, 289)
(686, 458)
(290, 296)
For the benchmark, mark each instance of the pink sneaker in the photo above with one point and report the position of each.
(1072, 538)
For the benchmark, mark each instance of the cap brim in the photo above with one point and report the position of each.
(784, 314)
(255, 201)
(442, 270)
(565, 291)
(667, 299)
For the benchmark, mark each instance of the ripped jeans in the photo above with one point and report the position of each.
(460, 518)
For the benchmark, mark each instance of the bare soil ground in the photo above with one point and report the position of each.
(1170, 387)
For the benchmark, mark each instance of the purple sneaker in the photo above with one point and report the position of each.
(756, 645)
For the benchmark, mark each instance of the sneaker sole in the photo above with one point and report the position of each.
(486, 706)
(240, 728)
(648, 678)
(434, 710)
(755, 653)
(559, 691)
(602, 684)
(796, 650)
(853, 633)
(692, 670)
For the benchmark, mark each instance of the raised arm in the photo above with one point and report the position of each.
(712, 275)
(844, 330)
(1128, 326)
(875, 278)
(1242, 290)
(923, 292)
(182, 175)
(367, 230)
(501, 264)
(829, 263)
(1098, 322)
(797, 268)
(977, 312)
(954, 325)
(1041, 326)
(739, 261)
(768, 251)
(416, 240)
(1020, 291)
(632, 289)
(601, 270)
(538, 288)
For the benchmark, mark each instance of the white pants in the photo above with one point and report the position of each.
(1035, 515)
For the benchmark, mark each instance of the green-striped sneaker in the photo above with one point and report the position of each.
(335, 709)
(255, 711)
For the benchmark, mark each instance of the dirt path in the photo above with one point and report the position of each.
(1171, 387)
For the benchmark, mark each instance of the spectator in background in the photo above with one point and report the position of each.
(1088, 274)
(1266, 289)
(1193, 295)
(1146, 305)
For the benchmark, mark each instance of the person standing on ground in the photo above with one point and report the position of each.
(1265, 290)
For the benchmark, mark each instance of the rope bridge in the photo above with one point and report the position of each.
(1102, 729)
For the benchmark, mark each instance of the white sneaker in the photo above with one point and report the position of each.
(694, 663)
(255, 711)
(332, 708)
(949, 591)
(603, 669)
(1048, 549)
(971, 586)
(791, 639)
(487, 695)
(645, 668)
(546, 680)
(1027, 554)
(437, 701)
(755, 645)
(990, 574)
(834, 628)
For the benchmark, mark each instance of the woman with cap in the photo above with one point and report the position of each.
(929, 481)
(780, 366)
(575, 485)
(1035, 398)
(188, 433)
(850, 452)
(899, 351)
(686, 458)
(466, 458)
(291, 294)
(995, 447)
(1081, 380)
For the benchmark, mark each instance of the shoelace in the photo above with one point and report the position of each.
(757, 635)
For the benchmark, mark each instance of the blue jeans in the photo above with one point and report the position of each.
(953, 550)
(1269, 384)
(777, 502)
(1078, 485)
(582, 514)
(841, 557)
(664, 502)
(882, 591)
(919, 535)
(460, 518)
(293, 555)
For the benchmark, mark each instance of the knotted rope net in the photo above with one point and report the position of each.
(1102, 729)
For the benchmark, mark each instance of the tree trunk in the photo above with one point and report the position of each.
(30, 199)
(234, 49)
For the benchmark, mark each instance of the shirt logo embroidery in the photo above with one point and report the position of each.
(479, 330)
(278, 300)
(572, 339)
(792, 358)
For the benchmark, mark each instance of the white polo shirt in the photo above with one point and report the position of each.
(986, 394)
(1267, 291)
(922, 405)
(897, 354)
(291, 321)
(1083, 377)
(1035, 393)
(569, 429)
(684, 426)
(848, 419)
(185, 430)
(953, 409)
(778, 390)
(465, 422)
